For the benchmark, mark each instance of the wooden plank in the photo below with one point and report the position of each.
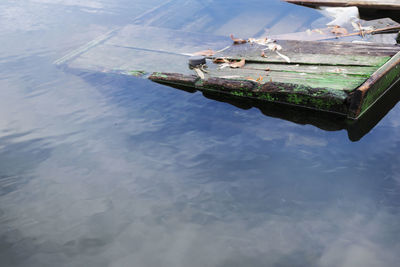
(125, 61)
(297, 68)
(316, 59)
(374, 4)
(330, 81)
(285, 93)
(303, 54)
(142, 48)
(325, 34)
(311, 47)
(366, 95)
(166, 40)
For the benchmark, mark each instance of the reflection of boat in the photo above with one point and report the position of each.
(356, 129)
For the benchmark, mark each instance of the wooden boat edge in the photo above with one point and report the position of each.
(364, 97)
(360, 4)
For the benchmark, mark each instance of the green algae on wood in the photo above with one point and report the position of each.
(375, 87)
(292, 94)
(137, 73)
(327, 82)
(335, 81)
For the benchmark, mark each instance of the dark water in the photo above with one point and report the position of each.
(106, 170)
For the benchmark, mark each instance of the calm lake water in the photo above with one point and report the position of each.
(111, 170)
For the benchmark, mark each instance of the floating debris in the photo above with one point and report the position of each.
(239, 64)
(237, 41)
(206, 53)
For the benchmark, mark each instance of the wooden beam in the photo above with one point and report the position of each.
(374, 4)
(376, 86)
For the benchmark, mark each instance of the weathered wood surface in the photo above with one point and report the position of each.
(374, 4)
(324, 76)
(318, 53)
(326, 34)
(379, 82)
(334, 81)
(328, 48)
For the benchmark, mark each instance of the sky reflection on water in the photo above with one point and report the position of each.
(103, 170)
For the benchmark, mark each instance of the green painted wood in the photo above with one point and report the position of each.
(364, 71)
(375, 87)
(289, 93)
(331, 81)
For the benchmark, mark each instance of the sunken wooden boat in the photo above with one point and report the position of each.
(334, 77)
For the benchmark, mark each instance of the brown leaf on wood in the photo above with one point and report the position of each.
(250, 79)
(238, 64)
(220, 60)
(263, 54)
(206, 53)
(339, 30)
(237, 41)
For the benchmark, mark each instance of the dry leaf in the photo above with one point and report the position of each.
(358, 27)
(237, 41)
(263, 54)
(238, 64)
(250, 79)
(259, 79)
(220, 60)
(263, 41)
(339, 30)
(274, 47)
(206, 53)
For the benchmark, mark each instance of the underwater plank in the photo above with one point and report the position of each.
(136, 62)
(143, 48)
(166, 40)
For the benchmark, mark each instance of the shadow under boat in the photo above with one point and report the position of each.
(356, 129)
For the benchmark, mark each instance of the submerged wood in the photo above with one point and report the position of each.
(321, 75)
(343, 78)
(383, 25)
(373, 4)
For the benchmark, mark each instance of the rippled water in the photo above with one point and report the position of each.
(106, 170)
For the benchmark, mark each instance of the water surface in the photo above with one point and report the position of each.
(106, 170)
